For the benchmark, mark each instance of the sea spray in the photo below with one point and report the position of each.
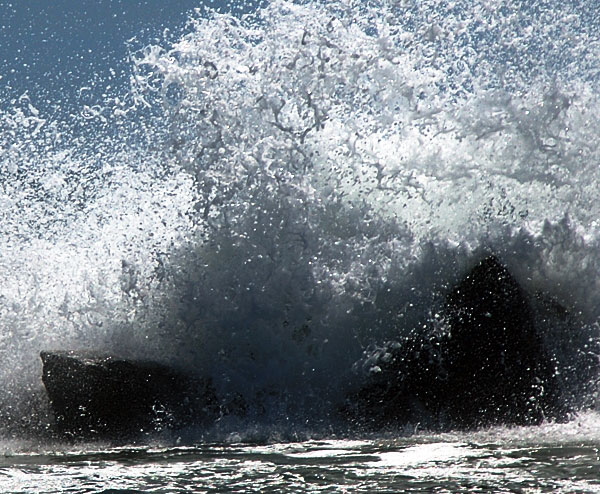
(421, 131)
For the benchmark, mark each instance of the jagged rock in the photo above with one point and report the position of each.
(498, 369)
(483, 364)
(104, 396)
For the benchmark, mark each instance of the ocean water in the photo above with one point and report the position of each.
(274, 196)
(548, 459)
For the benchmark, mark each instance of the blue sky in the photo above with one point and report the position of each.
(53, 48)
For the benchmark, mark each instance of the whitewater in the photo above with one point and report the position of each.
(274, 200)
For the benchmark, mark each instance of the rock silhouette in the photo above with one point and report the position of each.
(485, 364)
(482, 362)
(104, 396)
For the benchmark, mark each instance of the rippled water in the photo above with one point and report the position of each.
(545, 459)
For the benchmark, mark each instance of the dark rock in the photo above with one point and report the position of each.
(498, 370)
(103, 396)
(484, 363)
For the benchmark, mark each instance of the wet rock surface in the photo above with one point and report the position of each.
(105, 396)
(483, 364)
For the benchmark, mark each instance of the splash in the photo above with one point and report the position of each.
(300, 185)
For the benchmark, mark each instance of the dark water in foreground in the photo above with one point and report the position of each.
(551, 458)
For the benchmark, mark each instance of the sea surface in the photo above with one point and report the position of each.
(545, 459)
(272, 195)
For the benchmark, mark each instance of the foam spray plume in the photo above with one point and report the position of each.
(297, 190)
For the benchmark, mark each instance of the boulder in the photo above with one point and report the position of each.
(497, 367)
(104, 396)
(483, 363)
